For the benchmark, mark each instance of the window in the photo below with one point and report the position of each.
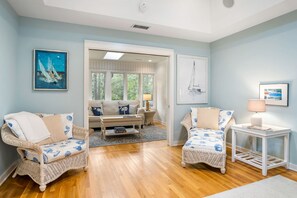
(117, 86)
(148, 87)
(132, 86)
(98, 86)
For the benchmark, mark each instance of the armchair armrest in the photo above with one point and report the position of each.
(10, 139)
(140, 111)
(187, 122)
(80, 133)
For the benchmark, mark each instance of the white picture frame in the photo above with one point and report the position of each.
(192, 79)
(275, 94)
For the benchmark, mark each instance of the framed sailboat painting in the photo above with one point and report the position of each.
(50, 70)
(192, 79)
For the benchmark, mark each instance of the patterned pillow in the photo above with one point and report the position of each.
(67, 120)
(97, 111)
(123, 110)
(224, 118)
(15, 128)
(194, 116)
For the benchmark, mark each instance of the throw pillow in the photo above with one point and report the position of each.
(67, 120)
(55, 127)
(97, 111)
(15, 128)
(208, 118)
(123, 110)
(224, 117)
(194, 116)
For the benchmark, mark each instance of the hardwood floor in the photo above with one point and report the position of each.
(140, 170)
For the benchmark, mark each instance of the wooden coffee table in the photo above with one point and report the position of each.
(120, 120)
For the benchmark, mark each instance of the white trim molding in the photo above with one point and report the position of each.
(121, 47)
(8, 172)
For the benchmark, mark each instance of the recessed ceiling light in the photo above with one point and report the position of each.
(149, 60)
(113, 55)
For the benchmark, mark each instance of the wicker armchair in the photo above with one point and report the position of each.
(43, 173)
(194, 156)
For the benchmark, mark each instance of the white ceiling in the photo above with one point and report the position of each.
(200, 20)
(129, 57)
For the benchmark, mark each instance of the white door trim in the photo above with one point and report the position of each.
(100, 45)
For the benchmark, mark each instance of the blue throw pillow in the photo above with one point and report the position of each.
(124, 110)
(97, 111)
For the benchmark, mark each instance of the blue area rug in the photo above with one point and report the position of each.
(148, 134)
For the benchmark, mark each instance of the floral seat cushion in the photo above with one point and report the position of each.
(206, 133)
(59, 150)
(205, 143)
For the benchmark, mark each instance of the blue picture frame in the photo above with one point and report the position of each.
(50, 70)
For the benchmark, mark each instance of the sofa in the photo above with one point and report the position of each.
(112, 108)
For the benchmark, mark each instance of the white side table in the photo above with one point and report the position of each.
(254, 158)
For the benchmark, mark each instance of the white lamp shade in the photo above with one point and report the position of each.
(147, 96)
(256, 105)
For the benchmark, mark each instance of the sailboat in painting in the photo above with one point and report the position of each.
(45, 75)
(51, 69)
(194, 87)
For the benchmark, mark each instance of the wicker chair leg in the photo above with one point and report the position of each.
(14, 174)
(42, 188)
(223, 170)
(86, 168)
(183, 164)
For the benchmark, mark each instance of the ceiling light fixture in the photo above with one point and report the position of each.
(149, 60)
(228, 3)
(113, 55)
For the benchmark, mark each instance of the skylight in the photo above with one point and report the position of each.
(113, 55)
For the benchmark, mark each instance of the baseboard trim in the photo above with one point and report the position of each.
(291, 166)
(178, 142)
(8, 171)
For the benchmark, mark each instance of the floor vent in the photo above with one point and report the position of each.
(142, 27)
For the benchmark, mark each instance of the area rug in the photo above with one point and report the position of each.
(273, 187)
(148, 134)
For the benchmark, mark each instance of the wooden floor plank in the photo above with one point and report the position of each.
(149, 169)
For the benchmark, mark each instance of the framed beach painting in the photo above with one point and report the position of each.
(275, 94)
(192, 79)
(50, 70)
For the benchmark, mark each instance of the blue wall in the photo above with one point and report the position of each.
(8, 57)
(263, 54)
(36, 33)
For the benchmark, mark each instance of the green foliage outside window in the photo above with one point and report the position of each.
(117, 86)
(133, 86)
(98, 86)
(148, 86)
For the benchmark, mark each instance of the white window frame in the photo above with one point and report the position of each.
(139, 83)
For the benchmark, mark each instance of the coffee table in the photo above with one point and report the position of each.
(120, 120)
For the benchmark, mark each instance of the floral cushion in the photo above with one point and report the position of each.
(206, 144)
(194, 116)
(56, 151)
(67, 120)
(206, 133)
(205, 140)
(15, 128)
(224, 118)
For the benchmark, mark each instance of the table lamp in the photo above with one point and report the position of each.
(256, 105)
(147, 97)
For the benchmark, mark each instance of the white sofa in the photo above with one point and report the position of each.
(112, 108)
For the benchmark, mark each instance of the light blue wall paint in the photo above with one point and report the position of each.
(54, 35)
(265, 53)
(8, 57)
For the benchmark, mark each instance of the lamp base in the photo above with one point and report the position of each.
(147, 106)
(256, 120)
